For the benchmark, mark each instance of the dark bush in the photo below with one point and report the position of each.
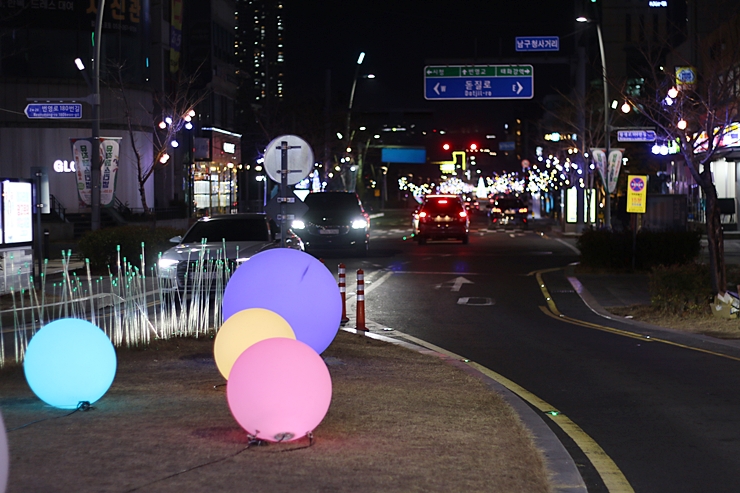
(679, 289)
(612, 250)
(101, 246)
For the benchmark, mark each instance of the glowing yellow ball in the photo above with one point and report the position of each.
(243, 329)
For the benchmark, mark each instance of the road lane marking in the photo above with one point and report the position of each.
(610, 474)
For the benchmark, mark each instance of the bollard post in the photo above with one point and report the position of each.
(360, 312)
(343, 292)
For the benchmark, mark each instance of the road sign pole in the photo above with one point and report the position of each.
(283, 191)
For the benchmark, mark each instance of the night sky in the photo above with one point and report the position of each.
(400, 37)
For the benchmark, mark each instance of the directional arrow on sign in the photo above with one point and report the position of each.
(517, 88)
(454, 285)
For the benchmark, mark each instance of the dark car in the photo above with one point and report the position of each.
(441, 217)
(334, 220)
(508, 211)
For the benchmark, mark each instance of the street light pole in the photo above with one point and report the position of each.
(607, 136)
(607, 143)
(352, 97)
(95, 162)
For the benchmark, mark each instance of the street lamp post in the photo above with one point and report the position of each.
(95, 163)
(607, 136)
(352, 96)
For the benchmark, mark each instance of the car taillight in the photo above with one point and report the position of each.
(496, 209)
(522, 210)
(422, 214)
(442, 201)
(463, 214)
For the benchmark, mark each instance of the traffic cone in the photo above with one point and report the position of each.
(360, 312)
(343, 292)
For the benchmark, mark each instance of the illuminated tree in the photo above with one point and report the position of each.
(695, 105)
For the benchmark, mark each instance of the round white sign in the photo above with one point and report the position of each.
(300, 158)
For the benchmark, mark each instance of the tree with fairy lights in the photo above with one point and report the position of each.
(693, 102)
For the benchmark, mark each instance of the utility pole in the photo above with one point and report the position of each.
(95, 161)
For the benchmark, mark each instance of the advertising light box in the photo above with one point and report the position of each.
(17, 212)
(408, 155)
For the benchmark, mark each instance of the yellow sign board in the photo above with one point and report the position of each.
(636, 193)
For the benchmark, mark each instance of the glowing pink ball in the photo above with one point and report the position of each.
(279, 389)
(294, 285)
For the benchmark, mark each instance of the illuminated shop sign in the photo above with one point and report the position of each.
(658, 3)
(229, 147)
(64, 166)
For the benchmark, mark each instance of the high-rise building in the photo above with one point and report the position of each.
(260, 50)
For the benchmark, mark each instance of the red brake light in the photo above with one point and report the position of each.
(463, 214)
(422, 214)
(523, 210)
(442, 201)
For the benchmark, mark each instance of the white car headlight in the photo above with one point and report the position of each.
(298, 224)
(167, 263)
(359, 223)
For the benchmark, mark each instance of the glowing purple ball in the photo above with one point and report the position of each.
(294, 285)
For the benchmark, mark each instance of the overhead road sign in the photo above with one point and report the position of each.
(53, 110)
(445, 82)
(636, 135)
(538, 43)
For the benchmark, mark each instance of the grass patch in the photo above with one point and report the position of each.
(692, 322)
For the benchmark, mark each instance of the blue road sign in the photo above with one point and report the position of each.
(478, 82)
(53, 110)
(538, 43)
(636, 136)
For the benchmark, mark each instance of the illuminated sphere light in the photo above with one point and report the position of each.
(243, 329)
(69, 361)
(4, 457)
(292, 284)
(279, 390)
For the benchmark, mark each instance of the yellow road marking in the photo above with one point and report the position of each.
(610, 474)
(552, 311)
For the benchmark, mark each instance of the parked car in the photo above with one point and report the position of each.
(441, 217)
(214, 247)
(508, 211)
(334, 221)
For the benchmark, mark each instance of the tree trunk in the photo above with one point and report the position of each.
(715, 239)
(142, 193)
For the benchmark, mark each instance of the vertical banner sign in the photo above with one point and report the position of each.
(175, 35)
(109, 151)
(599, 156)
(615, 163)
(636, 193)
(109, 154)
(81, 150)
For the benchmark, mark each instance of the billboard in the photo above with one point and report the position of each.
(401, 154)
(17, 212)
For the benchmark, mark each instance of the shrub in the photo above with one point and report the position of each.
(678, 289)
(101, 246)
(612, 250)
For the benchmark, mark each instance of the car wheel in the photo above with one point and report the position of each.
(465, 240)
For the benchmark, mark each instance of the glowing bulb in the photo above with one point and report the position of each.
(672, 92)
(682, 124)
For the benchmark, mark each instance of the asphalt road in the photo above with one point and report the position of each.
(666, 415)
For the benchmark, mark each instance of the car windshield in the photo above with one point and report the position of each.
(332, 201)
(231, 229)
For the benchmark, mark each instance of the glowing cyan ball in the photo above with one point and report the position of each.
(292, 284)
(4, 457)
(279, 390)
(69, 361)
(243, 329)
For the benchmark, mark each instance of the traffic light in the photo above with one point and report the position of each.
(473, 146)
(446, 146)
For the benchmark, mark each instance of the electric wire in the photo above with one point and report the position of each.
(81, 406)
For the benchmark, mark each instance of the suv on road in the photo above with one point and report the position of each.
(508, 210)
(441, 217)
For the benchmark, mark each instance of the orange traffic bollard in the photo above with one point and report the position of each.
(343, 292)
(360, 315)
